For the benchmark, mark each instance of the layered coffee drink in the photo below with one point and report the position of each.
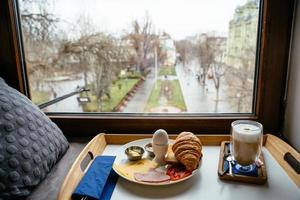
(247, 141)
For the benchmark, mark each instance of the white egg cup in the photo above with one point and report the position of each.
(160, 152)
(160, 144)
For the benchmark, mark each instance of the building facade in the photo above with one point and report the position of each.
(242, 35)
(168, 47)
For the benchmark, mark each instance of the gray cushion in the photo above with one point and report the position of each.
(30, 144)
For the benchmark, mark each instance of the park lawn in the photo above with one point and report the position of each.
(132, 75)
(153, 100)
(176, 100)
(38, 96)
(116, 93)
(167, 70)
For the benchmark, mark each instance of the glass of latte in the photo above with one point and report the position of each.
(247, 139)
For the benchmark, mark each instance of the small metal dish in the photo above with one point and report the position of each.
(149, 149)
(134, 153)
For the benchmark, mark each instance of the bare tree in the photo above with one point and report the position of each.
(109, 59)
(211, 53)
(86, 28)
(218, 67)
(142, 39)
(38, 26)
(183, 48)
(205, 55)
(37, 20)
(161, 53)
(102, 55)
(240, 88)
(240, 78)
(79, 51)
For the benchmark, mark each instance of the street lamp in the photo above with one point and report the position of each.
(155, 64)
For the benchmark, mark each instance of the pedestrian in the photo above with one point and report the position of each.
(54, 94)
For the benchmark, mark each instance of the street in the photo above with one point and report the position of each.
(199, 98)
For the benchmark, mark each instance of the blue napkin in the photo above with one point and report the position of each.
(253, 172)
(99, 181)
(235, 170)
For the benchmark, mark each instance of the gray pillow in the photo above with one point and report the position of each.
(30, 144)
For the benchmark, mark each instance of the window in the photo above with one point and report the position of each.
(143, 56)
(273, 57)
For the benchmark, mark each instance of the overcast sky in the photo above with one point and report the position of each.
(179, 18)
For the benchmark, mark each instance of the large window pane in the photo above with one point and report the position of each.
(142, 56)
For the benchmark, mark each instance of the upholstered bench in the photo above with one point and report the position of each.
(49, 187)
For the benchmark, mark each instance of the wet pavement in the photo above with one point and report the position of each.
(199, 98)
(61, 88)
(140, 98)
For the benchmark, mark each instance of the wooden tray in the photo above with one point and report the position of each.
(260, 179)
(96, 146)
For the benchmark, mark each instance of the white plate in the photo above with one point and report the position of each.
(121, 158)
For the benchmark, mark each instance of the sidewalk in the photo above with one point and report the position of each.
(199, 99)
(139, 101)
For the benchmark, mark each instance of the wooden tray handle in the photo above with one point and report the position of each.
(86, 161)
(279, 149)
(95, 147)
(291, 160)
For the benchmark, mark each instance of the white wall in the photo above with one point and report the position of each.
(292, 114)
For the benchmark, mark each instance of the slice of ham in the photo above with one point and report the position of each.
(152, 176)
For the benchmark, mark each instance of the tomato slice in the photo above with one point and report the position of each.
(177, 172)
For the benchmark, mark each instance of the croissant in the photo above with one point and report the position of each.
(187, 149)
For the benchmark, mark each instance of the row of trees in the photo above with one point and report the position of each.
(39, 31)
(98, 55)
(101, 56)
(211, 53)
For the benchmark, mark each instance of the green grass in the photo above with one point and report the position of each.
(176, 99)
(132, 75)
(166, 70)
(117, 94)
(39, 97)
(153, 100)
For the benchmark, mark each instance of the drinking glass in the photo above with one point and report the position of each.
(247, 139)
